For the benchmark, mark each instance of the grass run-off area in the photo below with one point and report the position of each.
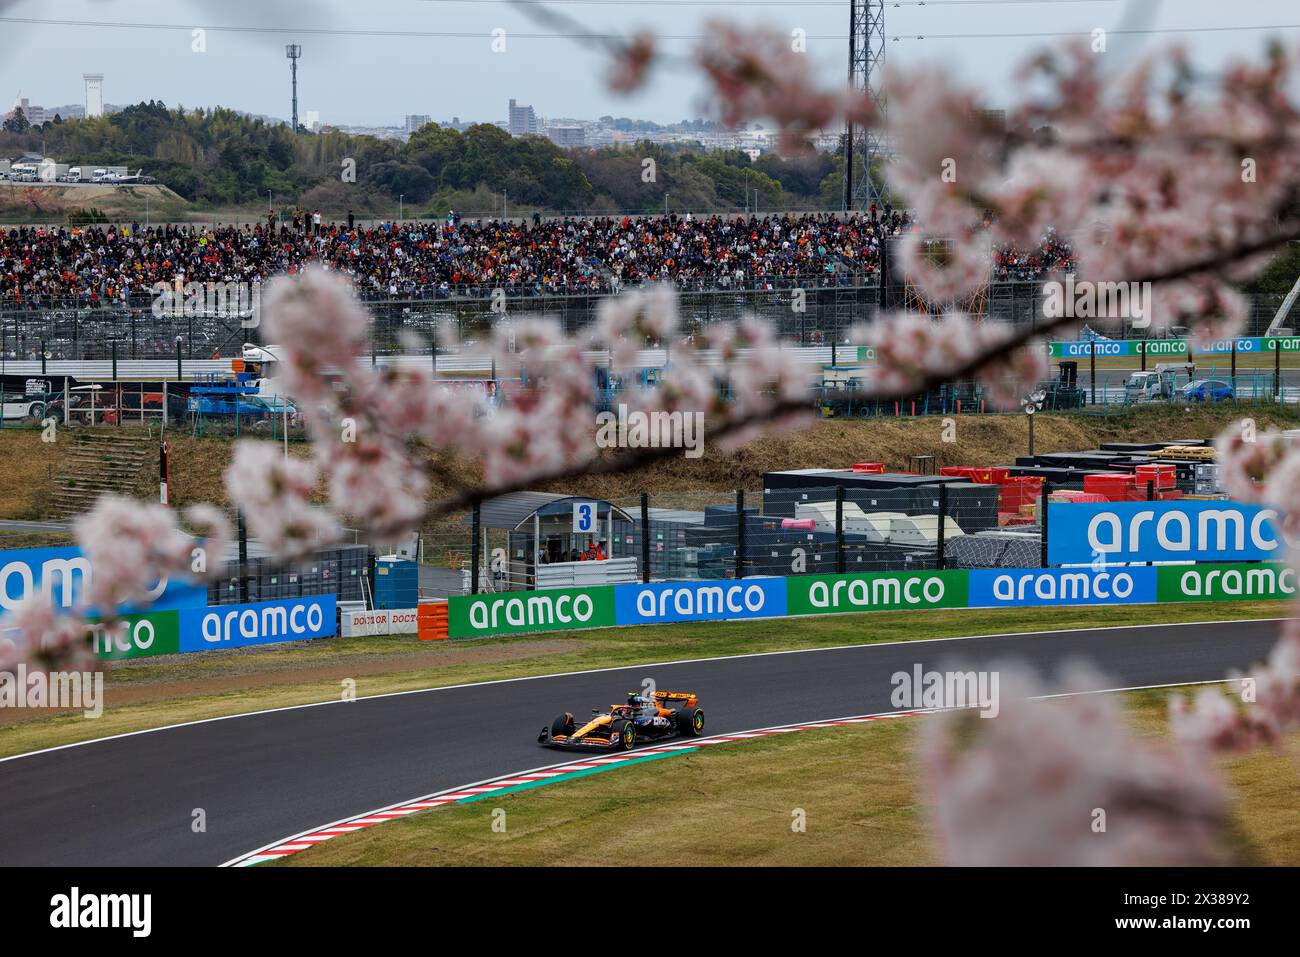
(153, 692)
(736, 804)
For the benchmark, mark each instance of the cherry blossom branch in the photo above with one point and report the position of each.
(618, 464)
(1007, 339)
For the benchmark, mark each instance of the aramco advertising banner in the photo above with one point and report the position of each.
(257, 623)
(552, 609)
(1082, 349)
(1120, 533)
(65, 573)
(1259, 582)
(752, 598)
(1041, 587)
(1231, 527)
(137, 636)
(714, 600)
(827, 594)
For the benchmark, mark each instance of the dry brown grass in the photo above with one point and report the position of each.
(198, 463)
(26, 468)
(52, 203)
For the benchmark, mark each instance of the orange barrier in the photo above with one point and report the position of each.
(431, 621)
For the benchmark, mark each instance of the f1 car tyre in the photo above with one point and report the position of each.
(562, 725)
(626, 732)
(690, 722)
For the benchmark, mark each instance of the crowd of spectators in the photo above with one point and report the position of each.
(1053, 254)
(98, 265)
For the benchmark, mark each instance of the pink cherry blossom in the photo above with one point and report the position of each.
(130, 547)
(756, 74)
(915, 348)
(274, 494)
(1261, 706)
(1029, 786)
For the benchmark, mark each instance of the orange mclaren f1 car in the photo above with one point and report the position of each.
(665, 714)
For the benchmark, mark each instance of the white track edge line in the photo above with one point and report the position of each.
(653, 664)
(234, 861)
(676, 744)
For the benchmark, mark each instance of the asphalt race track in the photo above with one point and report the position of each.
(263, 777)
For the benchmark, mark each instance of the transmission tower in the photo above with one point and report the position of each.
(293, 51)
(866, 69)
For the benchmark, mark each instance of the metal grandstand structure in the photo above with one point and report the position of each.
(820, 316)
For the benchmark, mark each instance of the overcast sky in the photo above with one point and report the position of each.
(356, 78)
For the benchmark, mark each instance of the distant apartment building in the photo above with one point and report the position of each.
(94, 94)
(521, 120)
(567, 136)
(415, 120)
(36, 115)
(311, 120)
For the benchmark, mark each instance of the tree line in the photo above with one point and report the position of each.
(220, 158)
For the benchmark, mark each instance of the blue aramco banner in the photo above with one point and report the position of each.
(258, 623)
(65, 574)
(1088, 533)
(699, 601)
(999, 588)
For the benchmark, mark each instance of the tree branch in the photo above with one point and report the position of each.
(621, 463)
(1021, 337)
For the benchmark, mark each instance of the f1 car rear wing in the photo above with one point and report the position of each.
(674, 696)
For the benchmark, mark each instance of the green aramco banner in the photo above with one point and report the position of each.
(823, 594)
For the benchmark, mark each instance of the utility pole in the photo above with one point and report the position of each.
(293, 51)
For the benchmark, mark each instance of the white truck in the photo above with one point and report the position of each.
(1155, 385)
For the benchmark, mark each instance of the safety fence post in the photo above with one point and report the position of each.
(740, 533)
(645, 538)
(473, 551)
(1042, 519)
(839, 530)
(943, 522)
(243, 556)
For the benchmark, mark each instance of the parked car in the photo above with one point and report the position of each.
(1207, 390)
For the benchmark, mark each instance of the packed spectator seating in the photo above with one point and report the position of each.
(1054, 254)
(98, 265)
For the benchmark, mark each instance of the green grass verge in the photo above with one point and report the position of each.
(154, 692)
(734, 804)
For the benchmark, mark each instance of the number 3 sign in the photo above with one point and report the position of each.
(584, 517)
